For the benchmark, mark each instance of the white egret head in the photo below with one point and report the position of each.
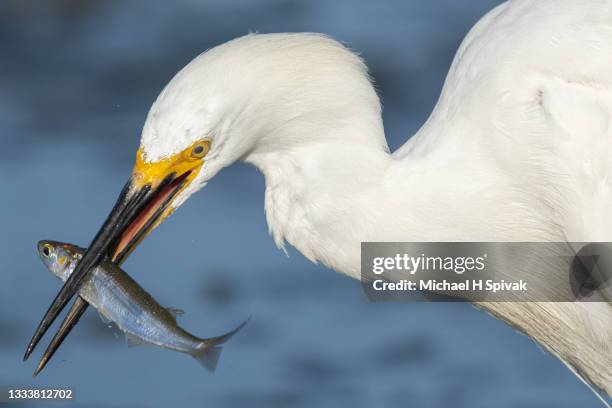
(253, 96)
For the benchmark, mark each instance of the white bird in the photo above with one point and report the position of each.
(518, 148)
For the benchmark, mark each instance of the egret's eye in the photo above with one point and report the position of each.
(200, 149)
(47, 250)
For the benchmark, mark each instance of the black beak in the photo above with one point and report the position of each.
(72, 318)
(137, 210)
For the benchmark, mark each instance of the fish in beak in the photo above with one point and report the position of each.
(144, 202)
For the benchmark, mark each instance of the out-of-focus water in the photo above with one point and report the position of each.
(76, 80)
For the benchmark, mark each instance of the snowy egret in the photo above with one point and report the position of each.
(517, 149)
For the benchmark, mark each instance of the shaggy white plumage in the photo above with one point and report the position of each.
(517, 149)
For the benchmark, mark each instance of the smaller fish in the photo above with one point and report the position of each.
(120, 300)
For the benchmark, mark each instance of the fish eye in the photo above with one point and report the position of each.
(200, 149)
(47, 250)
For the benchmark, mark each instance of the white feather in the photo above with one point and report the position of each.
(517, 149)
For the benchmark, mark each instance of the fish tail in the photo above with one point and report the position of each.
(208, 356)
(208, 351)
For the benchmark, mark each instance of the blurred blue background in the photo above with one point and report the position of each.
(76, 80)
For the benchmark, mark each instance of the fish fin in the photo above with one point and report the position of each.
(175, 312)
(208, 357)
(209, 350)
(214, 341)
(104, 319)
(133, 341)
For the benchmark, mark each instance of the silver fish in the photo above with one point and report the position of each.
(119, 299)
